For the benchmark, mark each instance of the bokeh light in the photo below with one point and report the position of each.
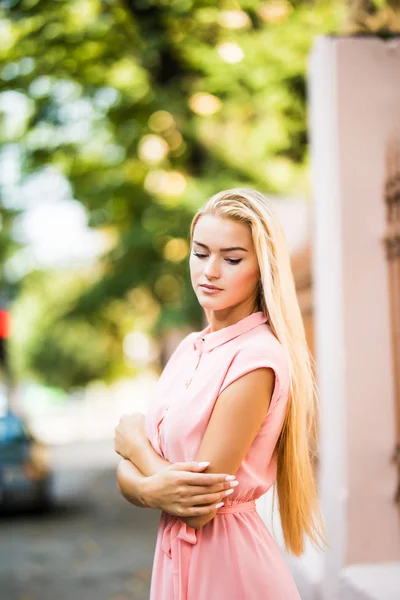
(176, 250)
(234, 19)
(274, 11)
(161, 120)
(205, 104)
(139, 348)
(230, 52)
(170, 183)
(152, 148)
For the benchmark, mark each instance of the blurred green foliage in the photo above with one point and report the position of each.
(147, 108)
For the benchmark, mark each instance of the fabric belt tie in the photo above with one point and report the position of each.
(249, 506)
(176, 542)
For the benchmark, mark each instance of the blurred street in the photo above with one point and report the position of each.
(92, 545)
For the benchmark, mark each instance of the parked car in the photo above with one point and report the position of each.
(25, 473)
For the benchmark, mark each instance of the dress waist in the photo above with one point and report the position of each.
(236, 508)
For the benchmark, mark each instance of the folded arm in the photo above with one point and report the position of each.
(238, 413)
(130, 483)
(140, 460)
(148, 480)
(144, 457)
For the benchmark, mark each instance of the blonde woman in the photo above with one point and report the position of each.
(234, 412)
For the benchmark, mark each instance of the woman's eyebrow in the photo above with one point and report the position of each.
(222, 249)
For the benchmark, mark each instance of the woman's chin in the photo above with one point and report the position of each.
(204, 303)
(211, 304)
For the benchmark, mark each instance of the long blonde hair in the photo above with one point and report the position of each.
(297, 494)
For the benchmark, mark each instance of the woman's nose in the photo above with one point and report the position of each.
(212, 268)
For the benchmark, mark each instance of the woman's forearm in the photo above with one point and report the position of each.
(135, 472)
(130, 483)
(145, 458)
(150, 462)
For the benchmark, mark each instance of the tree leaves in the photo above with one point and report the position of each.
(147, 108)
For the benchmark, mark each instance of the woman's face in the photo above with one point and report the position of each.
(223, 257)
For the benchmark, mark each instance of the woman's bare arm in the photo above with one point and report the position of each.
(238, 413)
(130, 483)
(180, 489)
(131, 442)
(145, 458)
(141, 463)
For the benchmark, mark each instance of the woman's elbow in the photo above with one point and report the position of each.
(121, 484)
(119, 479)
(125, 488)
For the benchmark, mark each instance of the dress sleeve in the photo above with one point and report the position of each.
(252, 357)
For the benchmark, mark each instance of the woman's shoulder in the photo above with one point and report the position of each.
(263, 339)
(262, 346)
(256, 349)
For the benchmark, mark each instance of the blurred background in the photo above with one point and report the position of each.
(118, 119)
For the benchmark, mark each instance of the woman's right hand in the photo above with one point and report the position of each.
(182, 490)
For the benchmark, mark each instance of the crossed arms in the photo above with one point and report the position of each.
(146, 479)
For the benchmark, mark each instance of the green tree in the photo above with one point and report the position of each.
(147, 108)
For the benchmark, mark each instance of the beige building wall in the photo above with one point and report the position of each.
(355, 109)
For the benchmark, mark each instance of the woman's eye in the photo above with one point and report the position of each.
(231, 261)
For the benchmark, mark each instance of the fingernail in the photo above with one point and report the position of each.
(234, 483)
(219, 505)
(230, 478)
(229, 492)
(203, 464)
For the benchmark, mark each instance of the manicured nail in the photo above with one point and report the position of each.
(219, 505)
(229, 492)
(203, 464)
(230, 478)
(234, 483)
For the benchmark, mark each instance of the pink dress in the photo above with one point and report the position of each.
(233, 556)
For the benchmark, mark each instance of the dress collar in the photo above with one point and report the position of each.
(207, 341)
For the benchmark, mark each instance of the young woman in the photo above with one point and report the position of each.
(241, 396)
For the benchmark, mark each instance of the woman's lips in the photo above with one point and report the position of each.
(210, 290)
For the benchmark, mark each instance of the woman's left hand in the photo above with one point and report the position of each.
(129, 431)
